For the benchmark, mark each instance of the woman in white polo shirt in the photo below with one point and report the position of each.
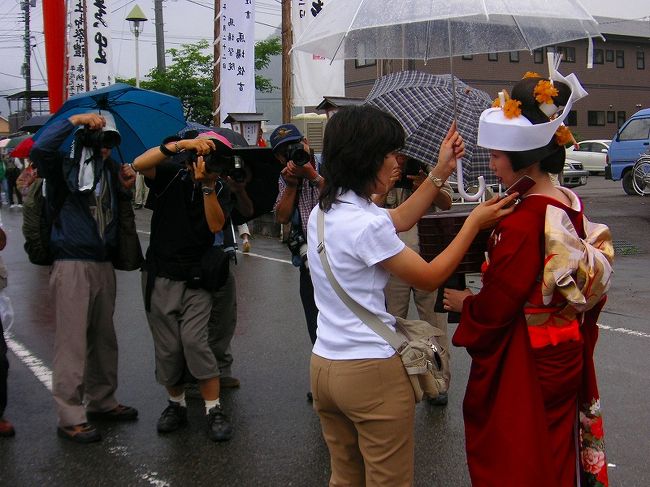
(361, 392)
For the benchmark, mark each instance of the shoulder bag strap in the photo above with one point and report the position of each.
(371, 320)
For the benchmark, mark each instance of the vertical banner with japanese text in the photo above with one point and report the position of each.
(89, 46)
(313, 76)
(237, 57)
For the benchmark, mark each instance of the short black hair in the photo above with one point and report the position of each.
(357, 138)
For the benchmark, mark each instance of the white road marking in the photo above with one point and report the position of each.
(44, 374)
(625, 331)
(38, 368)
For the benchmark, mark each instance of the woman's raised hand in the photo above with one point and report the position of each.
(451, 149)
(487, 214)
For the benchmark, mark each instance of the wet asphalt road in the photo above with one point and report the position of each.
(277, 438)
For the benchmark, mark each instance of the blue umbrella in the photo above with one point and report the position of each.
(143, 117)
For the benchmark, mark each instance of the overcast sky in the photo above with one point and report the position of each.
(186, 21)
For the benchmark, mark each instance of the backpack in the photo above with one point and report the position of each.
(37, 224)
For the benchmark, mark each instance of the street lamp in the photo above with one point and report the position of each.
(136, 17)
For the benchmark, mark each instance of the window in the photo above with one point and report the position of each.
(609, 56)
(585, 147)
(640, 60)
(361, 61)
(598, 56)
(595, 118)
(538, 56)
(568, 53)
(493, 56)
(638, 129)
(620, 59)
(514, 56)
(467, 57)
(611, 116)
(572, 119)
(620, 119)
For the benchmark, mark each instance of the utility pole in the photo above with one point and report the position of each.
(216, 66)
(27, 69)
(160, 35)
(287, 41)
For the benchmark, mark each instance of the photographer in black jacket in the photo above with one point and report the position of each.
(183, 269)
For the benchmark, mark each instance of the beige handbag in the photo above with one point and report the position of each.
(414, 340)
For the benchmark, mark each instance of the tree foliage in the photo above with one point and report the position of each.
(189, 76)
(264, 50)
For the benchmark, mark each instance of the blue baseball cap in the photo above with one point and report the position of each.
(283, 134)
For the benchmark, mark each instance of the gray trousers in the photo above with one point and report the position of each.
(398, 299)
(85, 346)
(179, 326)
(221, 327)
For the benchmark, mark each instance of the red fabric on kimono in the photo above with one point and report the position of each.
(520, 407)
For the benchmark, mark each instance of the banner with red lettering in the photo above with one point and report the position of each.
(313, 77)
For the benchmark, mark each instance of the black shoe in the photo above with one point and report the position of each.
(441, 400)
(118, 413)
(173, 417)
(79, 433)
(219, 428)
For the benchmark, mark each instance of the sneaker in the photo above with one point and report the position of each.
(118, 413)
(246, 246)
(79, 433)
(441, 400)
(219, 427)
(173, 417)
(229, 382)
(6, 428)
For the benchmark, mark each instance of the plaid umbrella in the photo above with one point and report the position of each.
(423, 104)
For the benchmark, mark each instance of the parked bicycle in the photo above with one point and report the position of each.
(641, 175)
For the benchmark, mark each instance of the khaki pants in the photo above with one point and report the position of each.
(367, 410)
(85, 346)
(398, 299)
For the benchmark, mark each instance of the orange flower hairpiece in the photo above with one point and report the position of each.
(531, 74)
(563, 135)
(545, 91)
(512, 108)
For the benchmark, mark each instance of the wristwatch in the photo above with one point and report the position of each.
(437, 182)
(207, 190)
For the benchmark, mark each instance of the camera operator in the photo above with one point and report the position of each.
(187, 194)
(299, 188)
(83, 188)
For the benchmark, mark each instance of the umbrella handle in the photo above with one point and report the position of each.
(461, 186)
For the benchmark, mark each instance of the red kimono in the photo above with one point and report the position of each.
(521, 404)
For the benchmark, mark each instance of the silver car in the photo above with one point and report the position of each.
(591, 153)
(573, 174)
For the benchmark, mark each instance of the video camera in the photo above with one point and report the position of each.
(411, 168)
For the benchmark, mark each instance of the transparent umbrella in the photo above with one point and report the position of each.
(428, 29)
